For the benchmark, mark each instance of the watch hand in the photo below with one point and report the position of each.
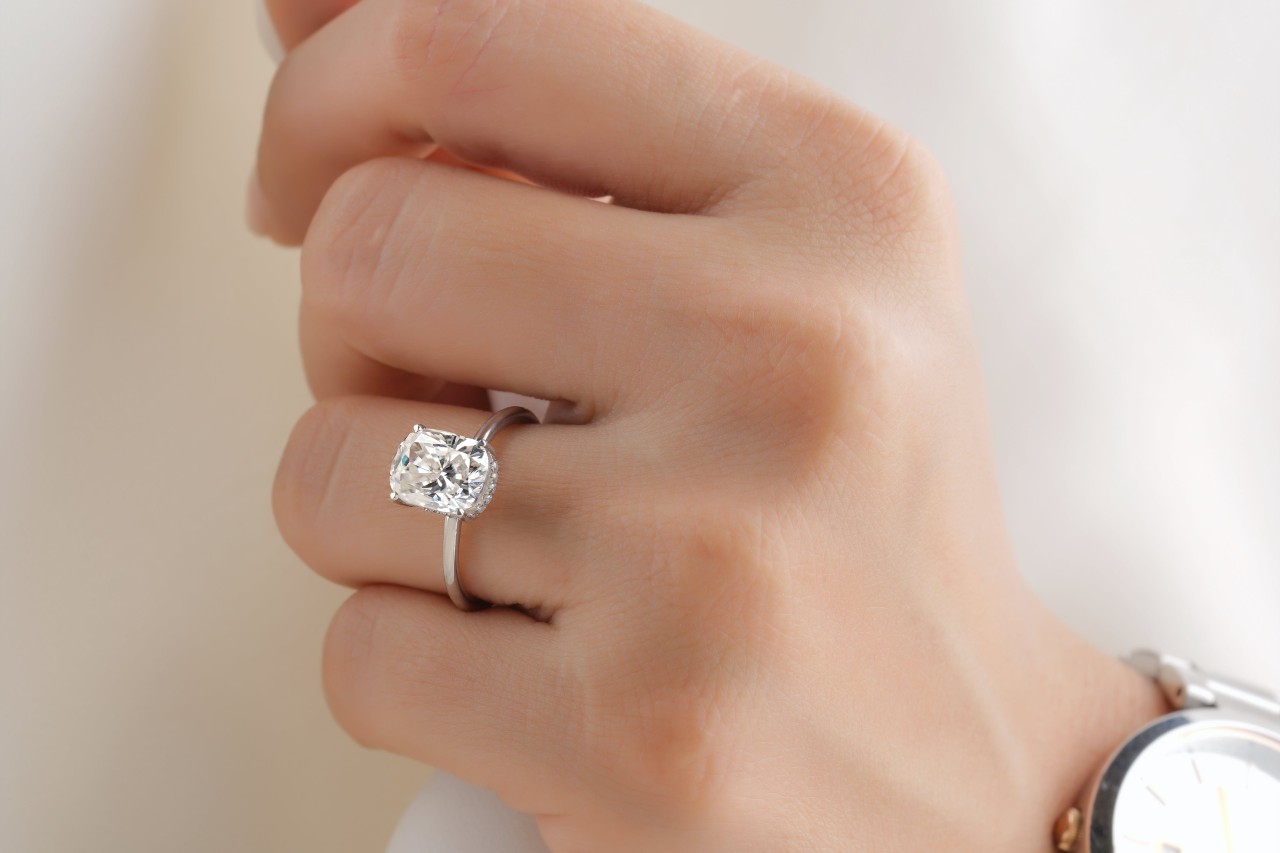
(1226, 824)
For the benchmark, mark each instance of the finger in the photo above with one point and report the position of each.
(480, 695)
(295, 20)
(443, 157)
(332, 507)
(606, 97)
(336, 369)
(485, 282)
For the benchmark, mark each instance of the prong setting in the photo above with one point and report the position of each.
(445, 473)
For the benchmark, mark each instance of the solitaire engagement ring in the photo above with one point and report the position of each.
(454, 476)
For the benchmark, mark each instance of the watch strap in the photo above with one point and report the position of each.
(1186, 685)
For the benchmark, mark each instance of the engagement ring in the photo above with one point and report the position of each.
(454, 476)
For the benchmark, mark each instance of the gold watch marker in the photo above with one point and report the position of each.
(1066, 831)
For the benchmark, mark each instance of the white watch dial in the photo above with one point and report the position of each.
(1209, 787)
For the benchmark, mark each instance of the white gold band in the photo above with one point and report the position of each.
(453, 523)
(450, 475)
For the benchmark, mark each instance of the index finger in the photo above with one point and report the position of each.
(605, 97)
(294, 20)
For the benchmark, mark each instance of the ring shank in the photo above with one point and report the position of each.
(453, 524)
(502, 419)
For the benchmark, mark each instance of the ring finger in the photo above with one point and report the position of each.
(331, 504)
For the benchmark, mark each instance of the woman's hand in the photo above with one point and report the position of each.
(776, 607)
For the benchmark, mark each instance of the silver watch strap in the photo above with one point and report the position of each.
(1188, 686)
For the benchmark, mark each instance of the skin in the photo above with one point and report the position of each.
(762, 597)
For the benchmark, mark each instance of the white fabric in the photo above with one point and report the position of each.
(451, 815)
(1116, 174)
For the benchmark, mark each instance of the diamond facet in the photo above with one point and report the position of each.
(444, 473)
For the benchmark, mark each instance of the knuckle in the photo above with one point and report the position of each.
(874, 174)
(896, 362)
(719, 563)
(346, 265)
(664, 732)
(685, 747)
(898, 187)
(798, 367)
(413, 31)
(443, 42)
(781, 352)
(381, 687)
(351, 665)
(665, 709)
(302, 486)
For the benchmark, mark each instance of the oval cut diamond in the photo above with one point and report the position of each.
(443, 472)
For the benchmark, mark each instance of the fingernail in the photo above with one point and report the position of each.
(257, 215)
(267, 32)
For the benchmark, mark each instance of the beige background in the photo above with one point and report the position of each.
(159, 685)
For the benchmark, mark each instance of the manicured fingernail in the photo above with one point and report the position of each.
(267, 31)
(256, 213)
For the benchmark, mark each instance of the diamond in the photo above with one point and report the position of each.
(443, 473)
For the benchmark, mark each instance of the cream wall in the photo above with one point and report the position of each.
(159, 685)
(1115, 173)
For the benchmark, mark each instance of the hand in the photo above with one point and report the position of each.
(766, 600)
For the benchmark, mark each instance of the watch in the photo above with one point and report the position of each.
(1203, 779)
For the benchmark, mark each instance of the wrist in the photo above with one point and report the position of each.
(1104, 701)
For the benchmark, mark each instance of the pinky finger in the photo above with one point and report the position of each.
(479, 695)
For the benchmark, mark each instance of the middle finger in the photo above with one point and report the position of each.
(479, 281)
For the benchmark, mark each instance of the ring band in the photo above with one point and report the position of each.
(454, 476)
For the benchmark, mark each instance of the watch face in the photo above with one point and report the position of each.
(1191, 785)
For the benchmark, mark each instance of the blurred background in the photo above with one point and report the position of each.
(159, 666)
(1116, 170)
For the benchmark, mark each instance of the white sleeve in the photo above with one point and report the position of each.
(450, 816)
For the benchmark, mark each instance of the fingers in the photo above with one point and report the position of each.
(335, 369)
(480, 695)
(294, 20)
(601, 96)
(332, 507)
(489, 283)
